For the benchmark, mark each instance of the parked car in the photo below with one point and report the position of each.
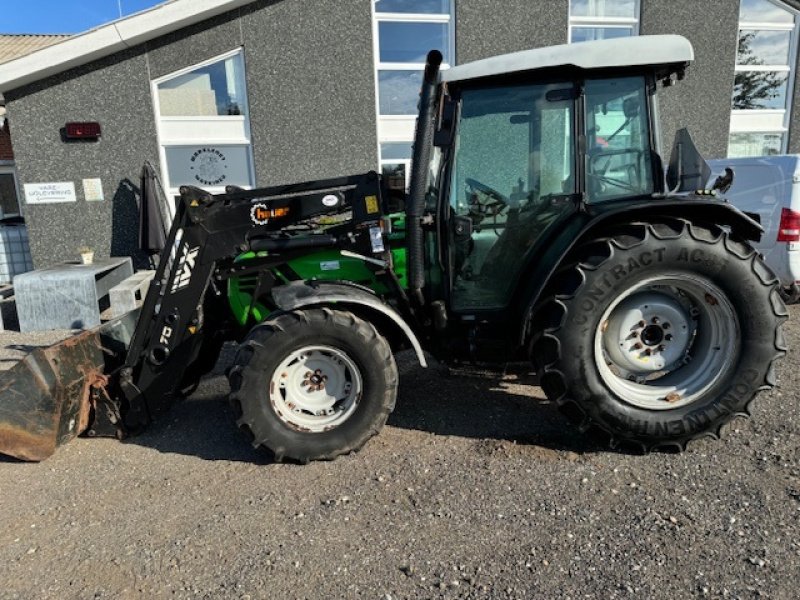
(769, 186)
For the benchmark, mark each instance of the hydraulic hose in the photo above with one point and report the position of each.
(420, 174)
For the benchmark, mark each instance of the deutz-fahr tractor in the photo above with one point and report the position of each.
(541, 224)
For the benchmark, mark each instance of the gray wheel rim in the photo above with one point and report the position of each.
(315, 389)
(666, 341)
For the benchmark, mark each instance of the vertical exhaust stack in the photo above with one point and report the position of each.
(420, 175)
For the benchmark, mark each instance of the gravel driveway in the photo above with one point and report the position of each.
(477, 489)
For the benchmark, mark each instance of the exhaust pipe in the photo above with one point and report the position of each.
(420, 175)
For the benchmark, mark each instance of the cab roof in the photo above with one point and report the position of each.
(668, 51)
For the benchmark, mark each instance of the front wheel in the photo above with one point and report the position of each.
(660, 333)
(311, 385)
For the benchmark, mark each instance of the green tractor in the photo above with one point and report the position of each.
(539, 226)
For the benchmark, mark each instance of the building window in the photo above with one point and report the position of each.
(9, 191)
(404, 32)
(764, 78)
(204, 126)
(602, 19)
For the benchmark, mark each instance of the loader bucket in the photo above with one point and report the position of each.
(45, 398)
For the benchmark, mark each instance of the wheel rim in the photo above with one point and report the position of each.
(315, 388)
(663, 343)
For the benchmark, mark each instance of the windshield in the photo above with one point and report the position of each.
(517, 141)
(618, 161)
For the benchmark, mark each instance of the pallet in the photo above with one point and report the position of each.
(129, 295)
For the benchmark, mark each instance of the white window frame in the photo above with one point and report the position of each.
(605, 22)
(8, 167)
(769, 120)
(167, 140)
(400, 128)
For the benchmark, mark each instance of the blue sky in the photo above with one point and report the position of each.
(64, 16)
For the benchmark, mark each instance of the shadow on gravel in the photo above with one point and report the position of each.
(200, 426)
(484, 405)
(480, 405)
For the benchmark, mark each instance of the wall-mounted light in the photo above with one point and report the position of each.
(82, 131)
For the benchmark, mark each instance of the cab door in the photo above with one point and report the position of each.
(512, 177)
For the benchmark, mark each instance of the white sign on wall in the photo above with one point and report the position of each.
(93, 190)
(209, 166)
(49, 193)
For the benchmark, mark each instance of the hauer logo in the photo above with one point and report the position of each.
(259, 214)
(183, 275)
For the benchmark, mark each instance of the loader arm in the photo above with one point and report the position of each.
(207, 234)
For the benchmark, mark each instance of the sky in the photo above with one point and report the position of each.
(64, 16)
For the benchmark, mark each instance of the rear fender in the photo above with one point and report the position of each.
(359, 300)
(709, 212)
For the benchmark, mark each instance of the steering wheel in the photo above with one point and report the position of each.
(499, 202)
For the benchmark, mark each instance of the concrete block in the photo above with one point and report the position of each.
(129, 294)
(67, 296)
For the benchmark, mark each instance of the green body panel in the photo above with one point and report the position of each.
(321, 265)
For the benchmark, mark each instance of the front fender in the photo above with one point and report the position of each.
(302, 294)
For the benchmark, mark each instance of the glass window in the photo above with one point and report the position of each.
(514, 165)
(209, 166)
(602, 19)
(588, 34)
(764, 11)
(203, 126)
(760, 90)
(212, 90)
(398, 92)
(764, 47)
(9, 201)
(755, 144)
(411, 42)
(603, 8)
(406, 30)
(396, 150)
(618, 162)
(764, 75)
(413, 6)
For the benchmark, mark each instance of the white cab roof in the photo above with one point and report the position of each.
(621, 52)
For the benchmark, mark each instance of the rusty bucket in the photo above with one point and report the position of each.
(45, 399)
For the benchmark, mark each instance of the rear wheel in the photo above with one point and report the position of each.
(313, 384)
(660, 333)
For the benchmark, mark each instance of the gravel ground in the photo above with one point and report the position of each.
(477, 489)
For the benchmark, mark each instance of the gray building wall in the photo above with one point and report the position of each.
(486, 28)
(702, 101)
(310, 78)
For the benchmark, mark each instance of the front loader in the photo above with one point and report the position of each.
(540, 225)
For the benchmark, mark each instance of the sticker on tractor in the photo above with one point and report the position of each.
(261, 215)
(330, 200)
(329, 265)
(376, 239)
(183, 274)
(371, 203)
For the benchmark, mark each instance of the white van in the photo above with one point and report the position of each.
(770, 187)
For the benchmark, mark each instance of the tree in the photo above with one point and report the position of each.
(754, 89)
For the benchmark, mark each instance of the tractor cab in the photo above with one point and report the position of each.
(525, 146)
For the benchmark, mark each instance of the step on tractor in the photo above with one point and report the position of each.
(540, 225)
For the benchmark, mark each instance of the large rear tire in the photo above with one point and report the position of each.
(659, 333)
(312, 385)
